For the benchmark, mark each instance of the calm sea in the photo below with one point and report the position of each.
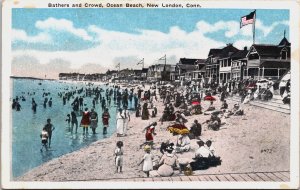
(27, 126)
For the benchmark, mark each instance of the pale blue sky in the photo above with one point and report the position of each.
(93, 40)
(134, 20)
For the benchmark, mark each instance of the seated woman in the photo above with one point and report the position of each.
(214, 122)
(211, 107)
(202, 156)
(180, 118)
(214, 160)
(237, 110)
(224, 105)
(183, 144)
(167, 163)
(183, 105)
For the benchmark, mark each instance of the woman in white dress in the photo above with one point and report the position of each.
(120, 123)
(148, 160)
(126, 119)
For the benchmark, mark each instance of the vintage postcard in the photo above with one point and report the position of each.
(150, 94)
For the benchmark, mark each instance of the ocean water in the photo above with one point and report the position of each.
(27, 126)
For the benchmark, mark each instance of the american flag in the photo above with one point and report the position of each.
(248, 19)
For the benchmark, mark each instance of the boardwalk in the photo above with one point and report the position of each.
(278, 176)
(274, 104)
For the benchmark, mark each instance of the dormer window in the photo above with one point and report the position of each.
(284, 54)
(253, 56)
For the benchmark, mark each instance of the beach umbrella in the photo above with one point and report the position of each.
(178, 129)
(209, 98)
(251, 86)
(195, 103)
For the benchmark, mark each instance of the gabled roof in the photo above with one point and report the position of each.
(214, 52)
(267, 50)
(186, 61)
(228, 51)
(185, 68)
(284, 42)
(239, 54)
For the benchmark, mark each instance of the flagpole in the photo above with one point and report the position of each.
(118, 71)
(253, 26)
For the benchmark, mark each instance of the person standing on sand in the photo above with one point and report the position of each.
(148, 160)
(145, 112)
(150, 131)
(120, 123)
(105, 121)
(85, 121)
(94, 120)
(126, 119)
(49, 128)
(119, 156)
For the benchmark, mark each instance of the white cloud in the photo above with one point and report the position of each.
(128, 48)
(240, 44)
(231, 27)
(268, 29)
(21, 35)
(117, 46)
(62, 25)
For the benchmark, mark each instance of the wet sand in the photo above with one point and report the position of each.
(258, 141)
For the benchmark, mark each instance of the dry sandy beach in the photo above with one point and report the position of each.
(258, 141)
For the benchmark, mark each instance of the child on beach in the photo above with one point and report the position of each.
(148, 161)
(119, 156)
(44, 137)
(149, 134)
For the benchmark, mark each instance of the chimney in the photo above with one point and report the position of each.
(245, 48)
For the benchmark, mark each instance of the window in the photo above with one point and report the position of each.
(283, 54)
(253, 56)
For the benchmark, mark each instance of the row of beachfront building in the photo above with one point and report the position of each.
(221, 65)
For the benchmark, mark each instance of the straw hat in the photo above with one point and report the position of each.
(147, 147)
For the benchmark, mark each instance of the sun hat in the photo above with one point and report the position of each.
(147, 147)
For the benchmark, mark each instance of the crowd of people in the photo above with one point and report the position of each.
(179, 102)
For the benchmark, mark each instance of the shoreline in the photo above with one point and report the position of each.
(96, 161)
